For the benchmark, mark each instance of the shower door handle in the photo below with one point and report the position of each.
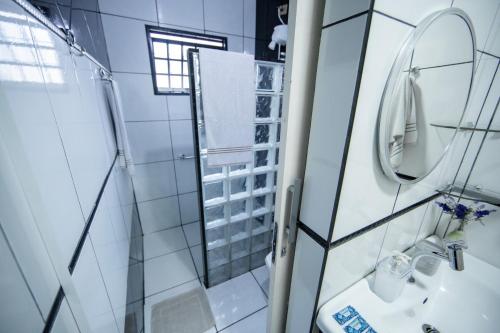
(295, 192)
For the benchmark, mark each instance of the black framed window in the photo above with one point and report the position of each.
(168, 50)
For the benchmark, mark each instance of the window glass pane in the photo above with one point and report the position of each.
(175, 67)
(160, 50)
(185, 70)
(175, 81)
(162, 81)
(185, 81)
(174, 51)
(161, 66)
(261, 158)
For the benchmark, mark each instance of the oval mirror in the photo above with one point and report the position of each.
(425, 95)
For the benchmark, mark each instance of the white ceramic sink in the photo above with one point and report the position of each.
(452, 302)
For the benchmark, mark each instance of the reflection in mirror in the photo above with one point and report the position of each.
(426, 95)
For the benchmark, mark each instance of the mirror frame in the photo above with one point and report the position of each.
(383, 123)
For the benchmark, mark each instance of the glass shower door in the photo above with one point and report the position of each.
(238, 200)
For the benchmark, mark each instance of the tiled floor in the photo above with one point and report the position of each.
(173, 265)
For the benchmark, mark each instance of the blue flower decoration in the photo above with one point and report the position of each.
(444, 206)
(461, 211)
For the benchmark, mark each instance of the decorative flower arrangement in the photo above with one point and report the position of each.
(464, 214)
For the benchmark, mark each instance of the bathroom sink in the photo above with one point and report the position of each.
(449, 301)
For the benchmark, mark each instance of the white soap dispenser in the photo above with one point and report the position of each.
(391, 276)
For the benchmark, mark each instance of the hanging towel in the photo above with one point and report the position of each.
(404, 123)
(114, 99)
(228, 97)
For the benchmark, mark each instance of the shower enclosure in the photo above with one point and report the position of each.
(237, 201)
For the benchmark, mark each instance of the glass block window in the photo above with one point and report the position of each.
(238, 200)
(168, 49)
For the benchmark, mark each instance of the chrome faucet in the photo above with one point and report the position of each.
(452, 252)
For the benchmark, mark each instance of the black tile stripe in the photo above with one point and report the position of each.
(345, 19)
(311, 233)
(54, 310)
(83, 236)
(394, 18)
(383, 221)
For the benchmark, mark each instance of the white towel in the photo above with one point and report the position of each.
(228, 97)
(404, 123)
(122, 143)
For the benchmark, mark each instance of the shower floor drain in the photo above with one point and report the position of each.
(426, 328)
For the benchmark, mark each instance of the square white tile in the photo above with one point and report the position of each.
(186, 176)
(336, 10)
(149, 141)
(144, 10)
(249, 17)
(186, 13)
(261, 274)
(164, 242)
(170, 270)
(182, 138)
(138, 98)
(189, 207)
(411, 11)
(235, 299)
(196, 253)
(249, 45)
(192, 232)
(255, 323)
(350, 262)
(159, 214)
(179, 107)
(335, 84)
(224, 16)
(155, 180)
(127, 44)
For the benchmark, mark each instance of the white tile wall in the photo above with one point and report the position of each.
(345, 265)
(411, 11)
(189, 207)
(92, 292)
(165, 186)
(138, 99)
(336, 10)
(333, 98)
(179, 107)
(217, 17)
(164, 242)
(182, 138)
(127, 44)
(155, 180)
(22, 313)
(305, 282)
(186, 175)
(150, 141)
(249, 18)
(64, 321)
(188, 13)
(145, 9)
(159, 214)
(192, 232)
